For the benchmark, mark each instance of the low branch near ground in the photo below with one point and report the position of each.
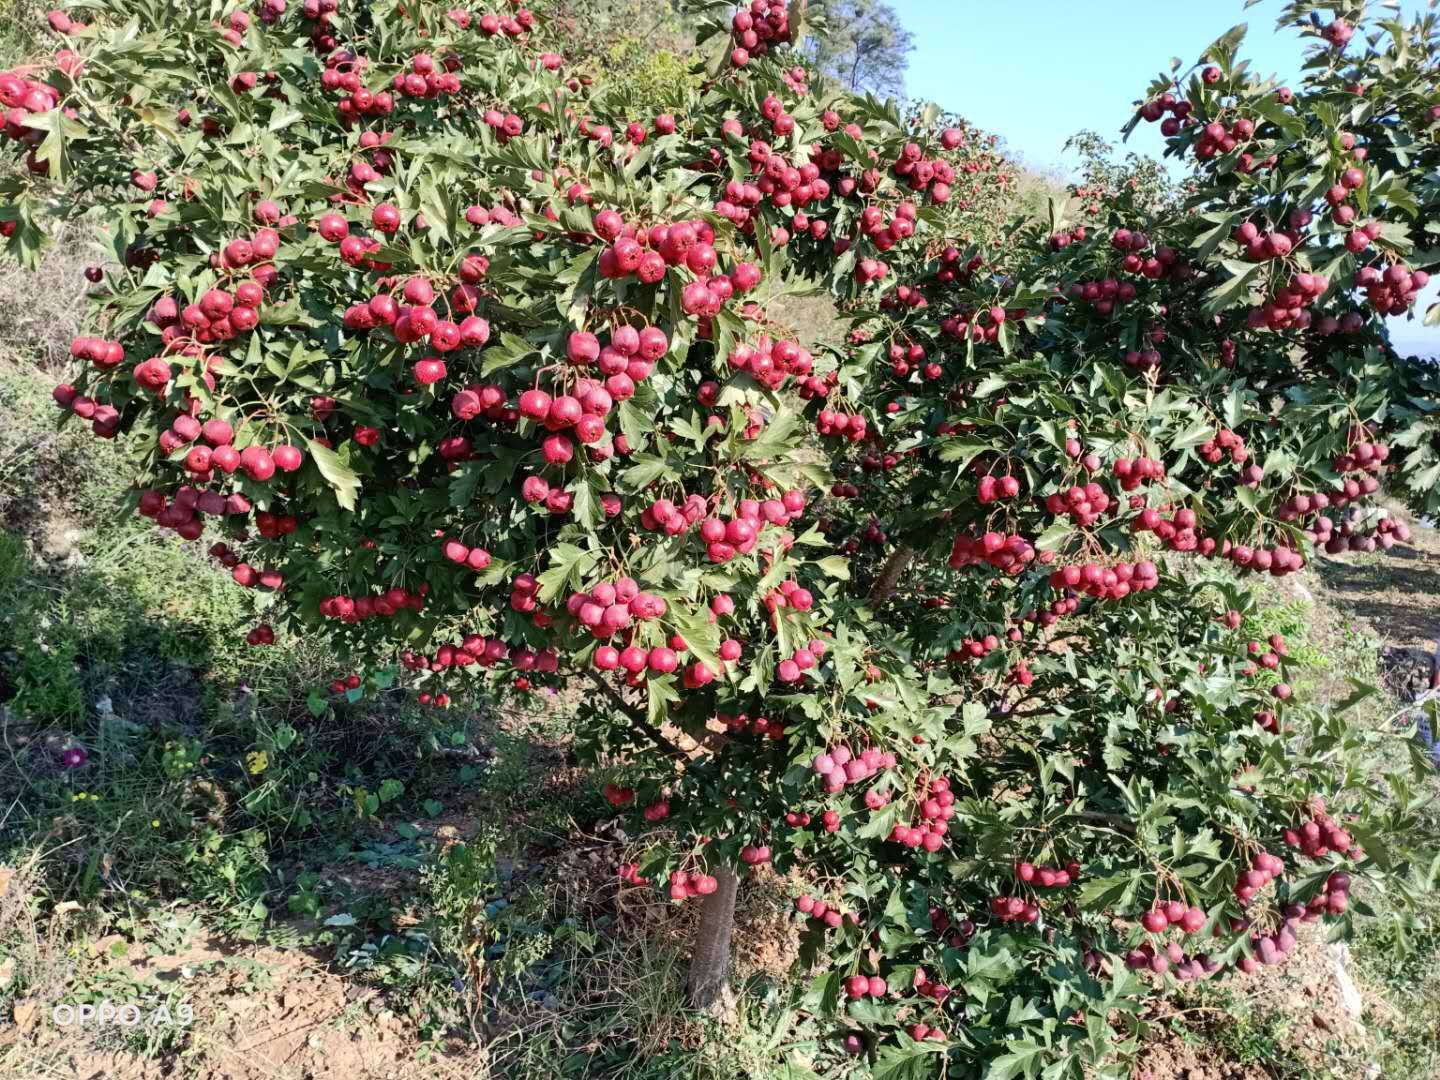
(638, 722)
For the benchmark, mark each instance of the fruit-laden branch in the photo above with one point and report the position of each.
(636, 720)
(895, 565)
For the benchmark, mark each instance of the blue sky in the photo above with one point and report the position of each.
(1037, 71)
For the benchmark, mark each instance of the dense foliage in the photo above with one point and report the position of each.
(472, 363)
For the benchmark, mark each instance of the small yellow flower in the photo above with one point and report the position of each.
(257, 761)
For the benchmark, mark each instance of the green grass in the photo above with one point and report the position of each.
(21, 24)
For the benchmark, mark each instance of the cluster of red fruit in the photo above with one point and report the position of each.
(753, 855)
(1052, 612)
(905, 297)
(766, 23)
(868, 270)
(220, 315)
(1264, 868)
(61, 23)
(104, 354)
(474, 649)
(1132, 474)
(1225, 442)
(1271, 949)
(1320, 836)
(1363, 456)
(1014, 909)
(1083, 505)
(1159, 960)
(1190, 920)
(1163, 261)
(1393, 290)
(647, 253)
(342, 75)
(922, 1032)
(884, 232)
(183, 513)
(859, 986)
(1102, 296)
(476, 558)
(1267, 658)
(1010, 553)
(1177, 532)
(994, 488)
(24, 97)
(1338, 33)
(248, 577)
(905, 357)
(957, 935)
(1333, 899)
(1142, 359)
(769, 363)
(629, 873)
(514, 26)
(261, 635)
(1353, 536)
(687, 885)
(935, 175)
(1215, 140)
(350, 682)
(386, 605)
(1061, 240)
(1048, 877)
(842, 425)
(974, 648)
(793, 668)
(319, 13)
(936, 807)
(838, 767)
(762, 727)
(1276, 561)
(609, 608)
(1286, 310)
(426, 78)
(832, 917)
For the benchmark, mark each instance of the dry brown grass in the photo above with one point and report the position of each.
(41, 312)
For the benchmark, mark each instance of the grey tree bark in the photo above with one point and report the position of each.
(890, 573)
(708, 982)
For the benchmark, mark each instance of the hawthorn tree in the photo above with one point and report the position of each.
(479, 372)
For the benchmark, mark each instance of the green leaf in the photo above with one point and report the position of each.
(1196, 434)
(1225, 294)
(1053, 538)
(336, 473)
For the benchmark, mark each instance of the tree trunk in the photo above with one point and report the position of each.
(884, 586)
(708, 981)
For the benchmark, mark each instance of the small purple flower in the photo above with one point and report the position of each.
(73, 757)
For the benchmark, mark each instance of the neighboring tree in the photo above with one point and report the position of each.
(1135, 183)
(862, 44)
